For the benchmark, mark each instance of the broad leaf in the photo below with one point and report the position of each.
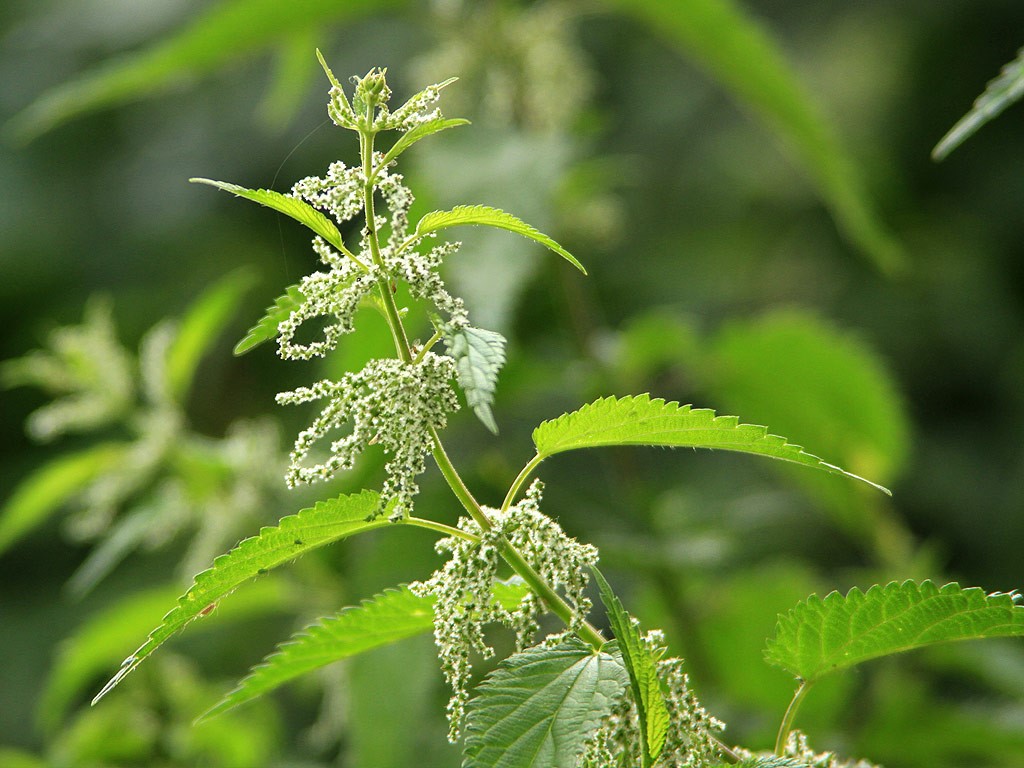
(538, 708)
(289, 206)
(1000, 93)
(293, 536)
(266, 328)
(387, 618)
(229, 30)
(42, 493)
(822, 635)
(421, 131)
(478, 355)
(720, 36)
(642, 667)
(639, 420)
(483, 215)
(200, 326)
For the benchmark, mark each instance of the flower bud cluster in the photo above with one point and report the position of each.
(369, 110)
(389, 402)
(464, 588)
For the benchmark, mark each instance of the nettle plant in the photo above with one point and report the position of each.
(579, 697)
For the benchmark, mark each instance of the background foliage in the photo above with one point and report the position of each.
(784, 250)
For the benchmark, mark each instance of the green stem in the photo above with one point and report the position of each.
(447, 530)
(438, 335)
(521, 478)
(787, 720)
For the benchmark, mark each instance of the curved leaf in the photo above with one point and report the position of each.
(478, 355)
(421, 131)
(733, 48)
(485, 216)
(43, 492)
(293, 536)
(229, 30)
(289, 206)
(642, 666)
(200, 325)
(998, 95)
(822, 635)
(266, 328)
(639, 420)
(537, 709)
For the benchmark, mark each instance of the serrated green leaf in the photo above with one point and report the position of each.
(421, 131)
(302, 212)
(642, 667)
(478, 355)
(43, 492)
(999, 94)
(485, 216)
(229, 30)
(509, 593)
(721, 37)
(639, 420)
(394, 615)
(537, 709)
(293, 536)
(266, 328)
(200, 325)
(822, 635)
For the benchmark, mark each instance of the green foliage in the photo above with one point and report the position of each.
(641, 420)
(409, 138)
(485, 216)
(289, 206)
(326, 522)
(999, 94)
(479, 355)
(266, 328)
(642, 666)
(825, 635)
(538, 708)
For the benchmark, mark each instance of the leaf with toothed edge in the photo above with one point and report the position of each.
(266, 328)
(421, 131)
(641, 420)
(479, 356)
(326, 522)
(484, 215)
(821, 635)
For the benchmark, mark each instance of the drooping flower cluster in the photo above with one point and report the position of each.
(690, 741)
(464, 588)
(389, 402)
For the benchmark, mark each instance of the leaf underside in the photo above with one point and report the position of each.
(295, 535)
(641, 420)
(484, 215)
(642, 667)
(999, 94)
(302, 212)
(266, 328)
(822, 635)
(537, 709)
(479, 356)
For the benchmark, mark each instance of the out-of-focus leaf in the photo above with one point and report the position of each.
(200, 326)
(42, 493)
(228, 31)
(1000, 93)
(723, 39)
(293, 75)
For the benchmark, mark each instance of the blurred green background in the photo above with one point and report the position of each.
(751, 190)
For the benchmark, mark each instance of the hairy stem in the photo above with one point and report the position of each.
(447, 530)
(521, 478)
(787, 720)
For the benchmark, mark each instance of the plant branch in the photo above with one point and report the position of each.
(521, 478)
(787, 720)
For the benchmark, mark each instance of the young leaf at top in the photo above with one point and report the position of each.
(266, 328)
(483, 215)
(200, 326)
(289, 206)
(822, 635)
(643, 672)
(639, 420)
(43, 492)
(999, 94)
(537, 709)
(295, 535)
(478, 355)
(387, 618)
(421, 131)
